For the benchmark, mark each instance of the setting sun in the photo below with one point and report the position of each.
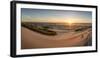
(70, 22)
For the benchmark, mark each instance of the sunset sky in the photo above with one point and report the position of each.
(46, 15)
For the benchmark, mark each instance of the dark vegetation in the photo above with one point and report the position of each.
(82, 29)
(40, 29)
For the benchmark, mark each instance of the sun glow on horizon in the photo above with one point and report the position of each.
(70, 21)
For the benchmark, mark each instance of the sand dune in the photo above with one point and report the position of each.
(31, 39)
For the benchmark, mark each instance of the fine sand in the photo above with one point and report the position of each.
(31, 39)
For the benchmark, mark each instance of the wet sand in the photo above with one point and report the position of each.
(31, 39)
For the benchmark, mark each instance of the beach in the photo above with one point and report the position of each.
(31, 39)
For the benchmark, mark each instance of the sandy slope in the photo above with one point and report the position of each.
(31, 39)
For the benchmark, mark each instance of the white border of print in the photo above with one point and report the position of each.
(51, 50)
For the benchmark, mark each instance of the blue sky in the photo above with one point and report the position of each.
(46, 15)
